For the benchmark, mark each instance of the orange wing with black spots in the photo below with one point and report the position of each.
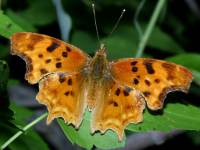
(64, 95)
(154, 78)
(44, 54)
(117, 105)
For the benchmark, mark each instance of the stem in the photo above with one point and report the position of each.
(28, 126)
(0, 4)
(136, 22)
(150, 27)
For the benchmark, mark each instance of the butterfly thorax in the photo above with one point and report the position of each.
(98, 66)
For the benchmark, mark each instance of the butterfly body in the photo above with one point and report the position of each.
(99, 65)
(116, 92)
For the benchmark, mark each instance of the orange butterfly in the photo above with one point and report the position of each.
(115, 92)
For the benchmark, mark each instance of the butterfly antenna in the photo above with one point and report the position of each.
(95, 21)
(117, 23)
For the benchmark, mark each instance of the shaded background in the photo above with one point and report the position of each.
(176, 32)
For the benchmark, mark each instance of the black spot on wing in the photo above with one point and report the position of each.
(64, 54)
(40, 55)
(69, 82)
(43, 71)
(47, 61)
(147, 82)
(170, 70)
(53, 46)
(117, 92)
(157, 80)
(135, 81)
(58, 65)
(149, 66)
(134, 69)
(146, 94)
(112, 102)
(68, 49)
(67, 93)
(133, 63)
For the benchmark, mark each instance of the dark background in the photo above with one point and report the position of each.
(179, 19)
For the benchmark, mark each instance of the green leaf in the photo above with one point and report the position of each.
(164, 42)
(195, 136)
(122, 43)
(4, 72)
(85, 41)
(21, 21)
(4, 51)
(174, 116)
(85, 139)
(20, 113)
(29, 140)
(189, 60)
(39, 12)
(124, 48)
(7, 26)
(6, 114)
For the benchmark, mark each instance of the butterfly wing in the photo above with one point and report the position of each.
(44, 54)
(64, 95)
(116, 106)
(154, 78)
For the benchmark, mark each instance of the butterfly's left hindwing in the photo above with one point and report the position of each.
(64, 95)
(154, 78)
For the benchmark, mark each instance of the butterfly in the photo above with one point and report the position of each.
(115, 92)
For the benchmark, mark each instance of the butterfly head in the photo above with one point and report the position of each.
(101, 51)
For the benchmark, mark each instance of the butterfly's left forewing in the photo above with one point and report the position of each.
(44, 54)
(153, 78)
